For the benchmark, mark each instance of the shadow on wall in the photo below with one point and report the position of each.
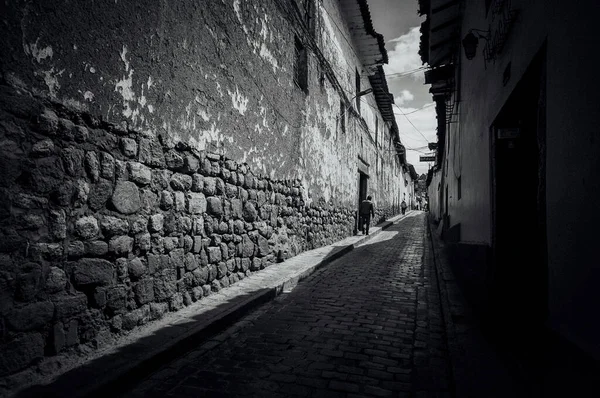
(103, 228)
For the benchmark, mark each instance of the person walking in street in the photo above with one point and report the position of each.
(365, 211)
(403, 205)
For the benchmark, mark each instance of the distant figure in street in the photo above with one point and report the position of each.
(365, 211)
(403, 205)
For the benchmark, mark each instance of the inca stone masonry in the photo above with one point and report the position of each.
(152, 153)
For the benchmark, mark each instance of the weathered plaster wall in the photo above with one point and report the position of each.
(154, 152)
(216, 75)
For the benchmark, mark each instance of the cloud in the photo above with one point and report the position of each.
(425, 121)
(405, 96)
(404, 56)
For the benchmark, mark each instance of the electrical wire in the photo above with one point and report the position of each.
(407, 73)
(411, 123)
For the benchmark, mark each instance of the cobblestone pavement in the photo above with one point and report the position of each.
(368, 324)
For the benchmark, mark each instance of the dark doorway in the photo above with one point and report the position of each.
(519, 271)
(362, 195)
(362, 186)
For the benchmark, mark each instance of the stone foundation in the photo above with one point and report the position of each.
(103, 228)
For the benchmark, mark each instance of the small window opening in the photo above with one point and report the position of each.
(459, 188)
(300, 65)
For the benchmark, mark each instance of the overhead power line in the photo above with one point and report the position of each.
(411, 123)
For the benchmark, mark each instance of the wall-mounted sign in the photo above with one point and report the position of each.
(427, 158)
(508, 133)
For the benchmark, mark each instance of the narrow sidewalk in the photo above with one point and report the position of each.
(477, 368)
(152, 345)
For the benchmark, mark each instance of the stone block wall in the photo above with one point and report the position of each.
(103, 228)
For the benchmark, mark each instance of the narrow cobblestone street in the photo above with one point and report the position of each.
(368, 324)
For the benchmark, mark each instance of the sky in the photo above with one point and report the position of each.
(399, 23)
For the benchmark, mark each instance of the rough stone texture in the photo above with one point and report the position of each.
(126, 197)
(181, 182)
(56, 280)
(120, 245)
(119, 232)
(214, 206)
(196, 203)
(99, 194)
(156, 223)
(68, 306)
(91, 271)
(136, 268)
(139, 173)
(87, 227)
(128, 147)
(30, 317)
(20, 352)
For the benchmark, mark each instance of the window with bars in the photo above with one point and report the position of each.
(300, 65)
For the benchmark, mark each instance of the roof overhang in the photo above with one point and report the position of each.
(440, 31)
(370, 44)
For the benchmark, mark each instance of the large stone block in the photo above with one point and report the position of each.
(87, 227)
(174, 160)
(20, 352)
(69, 306)
(30, 317)
(99, 194)
(165, 285)
(116, 298)
(126, 197)
(196, 203)
(97, 248)
(177, 258)
(29, 281)
(151, 153)
(93, 272)
(181, 182)
(107, 166)
(43, 148)
(120, 245)
(179, 201)
(247, 246)
(136, 268)
(156, 223)
(200, 275)
(214, 206)
(128, 147)
(73, 160)
(214, 255)
(57, 224)
(92, 165)
(144, 291)
(190, 262)
(139, 173)
(197, 183)
(56, 280)
(210, 186)
(157, 310)
(263, 246)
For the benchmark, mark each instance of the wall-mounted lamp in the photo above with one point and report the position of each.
(471, 40)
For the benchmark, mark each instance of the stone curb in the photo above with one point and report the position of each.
(118, 381)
